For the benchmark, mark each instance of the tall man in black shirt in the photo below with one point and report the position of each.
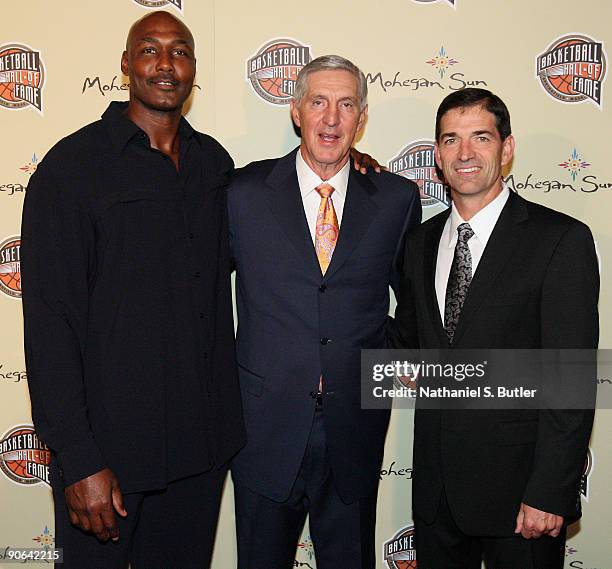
(128, 320)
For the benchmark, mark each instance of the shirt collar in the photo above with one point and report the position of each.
(483, 222)
(122, 130)
(308, 180)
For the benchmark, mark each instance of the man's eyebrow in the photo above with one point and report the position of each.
(148, 39)
(474, 133)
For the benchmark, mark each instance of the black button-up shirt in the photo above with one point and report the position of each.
(127, 304)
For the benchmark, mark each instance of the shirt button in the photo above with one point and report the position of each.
(322, 288)
(191, 236)
(325, 341)
(201, 316)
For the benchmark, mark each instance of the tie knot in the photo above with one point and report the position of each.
(325, 190)
(465, 232)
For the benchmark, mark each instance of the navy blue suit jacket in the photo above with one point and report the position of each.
(295, 325)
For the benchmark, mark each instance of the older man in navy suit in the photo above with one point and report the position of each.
(315, 246)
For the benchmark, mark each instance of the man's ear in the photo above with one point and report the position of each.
(125, 68)
(507, 150)
(295, 115)
(362, 117)
(437, 155)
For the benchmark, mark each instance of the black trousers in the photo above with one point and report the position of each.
(342, 534)
(442, 545)
(169, 529)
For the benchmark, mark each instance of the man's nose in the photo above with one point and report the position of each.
(331, 116)
(164, 61)
(465, 150)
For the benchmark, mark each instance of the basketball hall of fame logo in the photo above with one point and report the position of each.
(160, 3)
(24, 458)
(10, 267)
(399, 552)
(273, 70)
(451, 2)
(417, 162)
(22, 77)
(586, 474)
(573, 69)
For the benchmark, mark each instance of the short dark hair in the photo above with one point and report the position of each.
(472, 97)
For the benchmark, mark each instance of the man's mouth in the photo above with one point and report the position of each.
(165, 82)
(328, 138)
(468, 170)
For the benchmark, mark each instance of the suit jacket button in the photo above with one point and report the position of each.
(322, 288)
(325, 341)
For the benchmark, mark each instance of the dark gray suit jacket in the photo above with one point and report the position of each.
(294, 324)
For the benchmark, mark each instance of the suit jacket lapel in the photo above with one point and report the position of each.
(359, 210)
(430, 258)
(503, 241)
(285, 202)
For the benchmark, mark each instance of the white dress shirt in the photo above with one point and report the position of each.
(311, 199)
(482, 224)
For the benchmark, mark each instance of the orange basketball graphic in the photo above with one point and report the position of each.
(273, 70)
(24, 458)
(563, 83)
(22, 77)
(10, 267)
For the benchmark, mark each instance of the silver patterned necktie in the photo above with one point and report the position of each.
(459, 280)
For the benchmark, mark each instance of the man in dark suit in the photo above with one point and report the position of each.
(129, 334)
(315, 246)
(494, 271)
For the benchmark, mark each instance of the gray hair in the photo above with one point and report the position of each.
(328, 63)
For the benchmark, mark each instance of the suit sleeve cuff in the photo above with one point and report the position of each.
(80, 460)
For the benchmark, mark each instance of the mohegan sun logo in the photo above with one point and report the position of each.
(574, 164)
(417, 163)
(24, 458)
(399, 552)
(442, 62)
(305, 554)
(45, 539)
(573, 69)
(30, 167)
(22, 77)
(586, 474)
(160, 3)
(273, 70)
(10, 267)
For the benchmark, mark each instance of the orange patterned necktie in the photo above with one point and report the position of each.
(326, 234)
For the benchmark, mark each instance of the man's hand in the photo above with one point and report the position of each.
(92, 503)
(532, 522)
(362, 162)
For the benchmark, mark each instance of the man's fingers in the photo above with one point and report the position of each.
(74, 518)
(98, 527)
(519, 521)
(110, 524)
(83, 523)
(117, 497)
(556, 523)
